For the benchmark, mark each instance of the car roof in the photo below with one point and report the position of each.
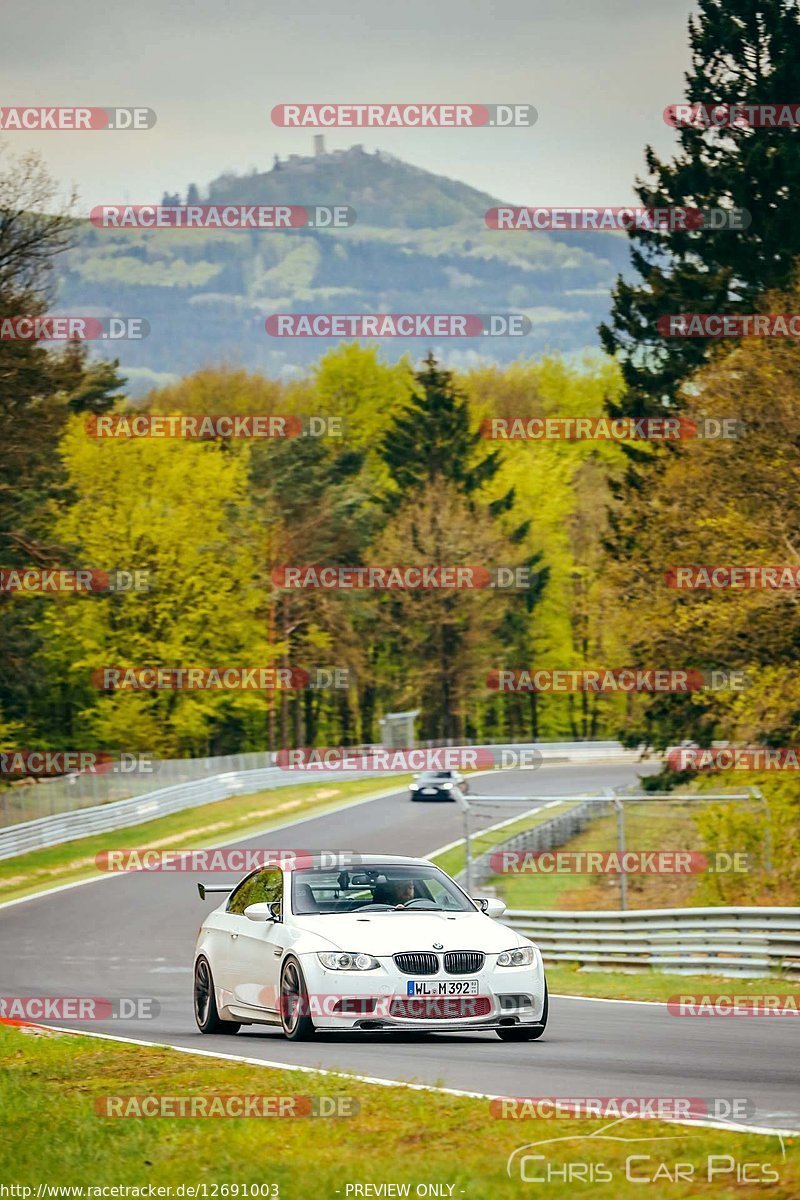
(310, 861)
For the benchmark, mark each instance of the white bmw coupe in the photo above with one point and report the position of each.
(383, 944)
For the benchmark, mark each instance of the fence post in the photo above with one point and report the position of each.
(623, 878)
(463, 804)
(767, 829)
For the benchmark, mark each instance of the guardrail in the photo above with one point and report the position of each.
(103, 818)
(715, 941)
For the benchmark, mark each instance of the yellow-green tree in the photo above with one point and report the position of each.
(178, 511)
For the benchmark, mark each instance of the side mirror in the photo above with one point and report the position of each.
(263, 912)
(490, 905)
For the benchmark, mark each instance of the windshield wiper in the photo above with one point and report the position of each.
(436, 908)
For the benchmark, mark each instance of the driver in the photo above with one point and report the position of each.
(394, 891)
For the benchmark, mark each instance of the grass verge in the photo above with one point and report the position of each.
(51, 1083)
(222, 820)
(568, 979)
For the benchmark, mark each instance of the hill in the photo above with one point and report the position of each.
(419, 244)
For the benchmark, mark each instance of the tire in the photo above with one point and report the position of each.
(205, 1002)
(526, 1033)
(296, 1024)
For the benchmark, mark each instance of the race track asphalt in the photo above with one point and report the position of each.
(134, 934)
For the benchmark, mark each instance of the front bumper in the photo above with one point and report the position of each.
(432, 794)
(375, 1001)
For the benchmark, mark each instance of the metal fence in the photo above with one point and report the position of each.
(48, 797)
(549, 834)
(545, 836)
(716, 941)
(103, 818)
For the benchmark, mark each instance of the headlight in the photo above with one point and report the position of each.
(446, 786)
(413, 786)
(523, 956)
(347, 960)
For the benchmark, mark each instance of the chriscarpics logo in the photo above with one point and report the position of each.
(606, 1157)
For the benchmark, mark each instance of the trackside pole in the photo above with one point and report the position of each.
(463, 804)
(623, 878)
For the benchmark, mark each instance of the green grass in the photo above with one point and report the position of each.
(50, 1084)
(223, 820)
(568, 979)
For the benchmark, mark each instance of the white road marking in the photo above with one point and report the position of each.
(377, 1080)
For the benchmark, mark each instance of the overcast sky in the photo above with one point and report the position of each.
(599, 72)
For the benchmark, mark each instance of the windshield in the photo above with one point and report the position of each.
(377, 889)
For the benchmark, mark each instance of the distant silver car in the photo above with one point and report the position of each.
(437, 785)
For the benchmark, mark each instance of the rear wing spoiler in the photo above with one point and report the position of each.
(205, 888)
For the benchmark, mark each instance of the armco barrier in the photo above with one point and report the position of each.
(691, 941)
(23, 836)
(103, 818)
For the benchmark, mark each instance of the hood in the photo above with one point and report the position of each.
(385, 933)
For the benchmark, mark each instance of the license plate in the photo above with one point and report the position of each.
(442, 987)
(429, 791)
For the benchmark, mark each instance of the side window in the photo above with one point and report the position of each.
(263, 887)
